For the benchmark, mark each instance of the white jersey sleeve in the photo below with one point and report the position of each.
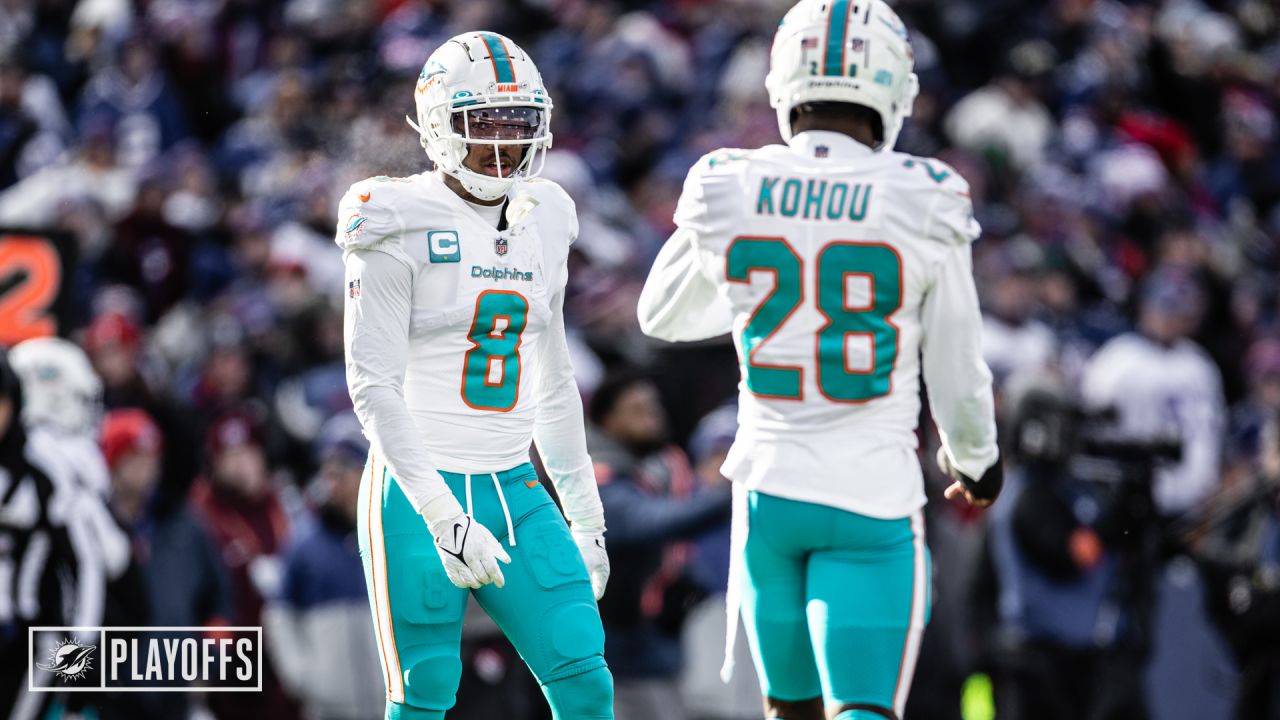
(958, 378)
(681, 300)
(558, 430)
(378, 303)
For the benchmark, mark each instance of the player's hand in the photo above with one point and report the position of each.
(961, 486)
(470, 553)
(591, 545)
(957, 489)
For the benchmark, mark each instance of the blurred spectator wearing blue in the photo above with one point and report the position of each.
(317, 629)
(135, 96)
(706, 696)
(650, 504)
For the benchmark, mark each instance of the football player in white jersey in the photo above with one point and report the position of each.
(456, 359)
(837, 264)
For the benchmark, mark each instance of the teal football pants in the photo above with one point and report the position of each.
(546, 608)
(834, 602)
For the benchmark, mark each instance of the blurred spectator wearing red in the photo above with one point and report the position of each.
(241, 508)
(175, 577)
(114, 342)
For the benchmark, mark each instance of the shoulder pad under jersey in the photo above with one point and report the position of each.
(944, 196)
(548, 203)
(708, 191)
(369, 216)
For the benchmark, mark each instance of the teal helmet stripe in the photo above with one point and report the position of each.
(837, 27)
(503, 70)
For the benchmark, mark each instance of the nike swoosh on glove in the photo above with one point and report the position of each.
(470, 553)
(591, 545)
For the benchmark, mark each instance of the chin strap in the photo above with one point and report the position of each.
(502, 216)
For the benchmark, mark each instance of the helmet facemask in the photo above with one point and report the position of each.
(511, 135)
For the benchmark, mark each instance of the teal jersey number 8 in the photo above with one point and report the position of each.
(882, 267)
(491, 368)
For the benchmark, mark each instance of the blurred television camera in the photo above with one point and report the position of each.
(1076, 552)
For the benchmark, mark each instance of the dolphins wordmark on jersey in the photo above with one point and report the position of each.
(481, 301)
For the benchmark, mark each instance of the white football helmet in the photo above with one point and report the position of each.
(852, 51)
(59, 387)
(481, 88)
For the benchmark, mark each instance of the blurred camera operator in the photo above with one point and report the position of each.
(1072, 550)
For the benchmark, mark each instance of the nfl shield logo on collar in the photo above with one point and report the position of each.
(353, 288)
(500, 245)
(821, 151)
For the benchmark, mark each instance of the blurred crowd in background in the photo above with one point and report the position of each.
(1124, 164)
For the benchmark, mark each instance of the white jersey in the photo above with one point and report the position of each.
(456, 355)
(835, 268)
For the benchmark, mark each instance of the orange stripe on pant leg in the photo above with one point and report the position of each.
(910, 654)
(390, 622)
(373, 577)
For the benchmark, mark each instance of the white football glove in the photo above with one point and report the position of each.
(470, 553)
(591, 544)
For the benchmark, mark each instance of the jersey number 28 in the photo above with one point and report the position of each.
(837, 261)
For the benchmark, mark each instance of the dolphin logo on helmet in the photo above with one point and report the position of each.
(852, 51)
(482, 76)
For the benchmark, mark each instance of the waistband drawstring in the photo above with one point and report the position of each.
(502, 500)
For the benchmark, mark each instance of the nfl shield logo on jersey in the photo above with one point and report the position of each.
(500, 245)
(353, 289)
